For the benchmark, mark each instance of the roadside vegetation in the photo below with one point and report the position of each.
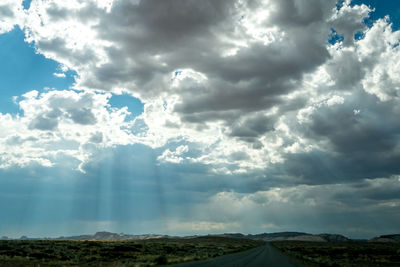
(150, 252)
(341, 253)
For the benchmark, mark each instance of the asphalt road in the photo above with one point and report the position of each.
(261, 256)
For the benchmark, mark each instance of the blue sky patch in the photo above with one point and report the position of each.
(335, 37)
(23, 70)
(382, 8)
(135, 106)
(26, 4)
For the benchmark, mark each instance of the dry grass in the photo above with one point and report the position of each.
(341, 254)
(118, 253)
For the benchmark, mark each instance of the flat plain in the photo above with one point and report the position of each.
(149, 252)
(352, 253)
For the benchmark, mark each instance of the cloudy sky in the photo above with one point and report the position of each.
(192, 117)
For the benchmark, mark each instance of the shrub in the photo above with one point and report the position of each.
(162, 259)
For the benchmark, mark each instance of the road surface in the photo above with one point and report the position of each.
(261, 256)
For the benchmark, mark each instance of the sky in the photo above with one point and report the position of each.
(187, 117)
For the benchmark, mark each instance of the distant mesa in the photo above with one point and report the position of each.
(108, 236)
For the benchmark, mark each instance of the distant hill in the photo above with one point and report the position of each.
(292, 236)
(334, 238)
(295, 236)
(232, 235)
(394, 237)
(279, 236)
(386, 238)
(276, 236)
(308, 238)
